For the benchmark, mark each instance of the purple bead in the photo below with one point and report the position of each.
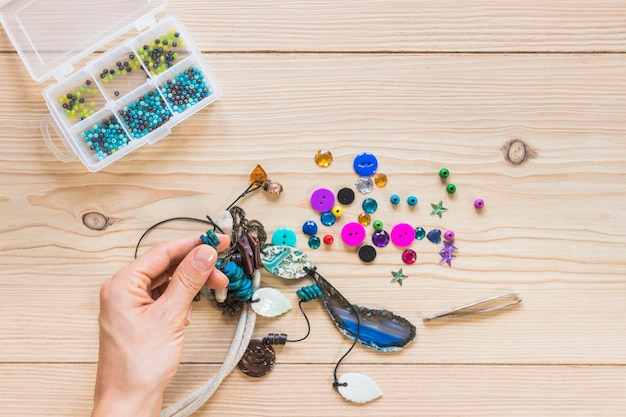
(479, 203)
(380, 238)
(448, 235)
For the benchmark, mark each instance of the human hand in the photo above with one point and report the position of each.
(143, 314)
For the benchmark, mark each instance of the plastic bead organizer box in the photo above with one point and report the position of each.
(130, 95)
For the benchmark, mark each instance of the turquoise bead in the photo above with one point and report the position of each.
(412, 200)
(284, 237)
(394, 199)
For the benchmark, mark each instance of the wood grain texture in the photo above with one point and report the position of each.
(523, 102)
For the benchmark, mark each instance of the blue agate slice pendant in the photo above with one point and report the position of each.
(378, 329)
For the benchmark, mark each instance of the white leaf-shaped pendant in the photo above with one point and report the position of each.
(269, 302)
(359, 388)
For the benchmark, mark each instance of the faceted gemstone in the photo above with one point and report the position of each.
(380, 180)
(370, 205)
(364, 185)
(314, 242)
(434, 236)
(420, 233)
(328, 218)
(323, 158)
(409, 256)
(380, 238)
(365, 219)
(258, 174)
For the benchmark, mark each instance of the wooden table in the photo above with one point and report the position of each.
(422, 85)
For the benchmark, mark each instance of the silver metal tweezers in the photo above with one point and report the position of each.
(467, 310)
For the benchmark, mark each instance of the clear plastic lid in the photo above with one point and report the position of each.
(52, 35)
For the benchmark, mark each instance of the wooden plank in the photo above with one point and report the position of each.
(409, 390)
(401, 26)
(552, 229)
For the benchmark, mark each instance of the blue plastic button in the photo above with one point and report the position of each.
(394, 199)
(284, 237)
(365, 164)
(309, 228)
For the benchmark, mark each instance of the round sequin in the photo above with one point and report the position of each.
(345, 196)
(353, 234)
(479, 203)
(328, 218)
(367, 253)
(364, 185)
(409, 256)
(402, 234)
(380, 180)
(419, 233)
(322, 200)
(365, 164)
(365, 219)
(370, 205)
(309, 228)
(284, 237)
(314, 242)
(448, 235)
(380, 238)
(323, 158)
(411, 201)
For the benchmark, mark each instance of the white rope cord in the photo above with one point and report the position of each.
(243, 334)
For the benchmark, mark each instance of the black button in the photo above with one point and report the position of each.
(367, 253)
(345, 196)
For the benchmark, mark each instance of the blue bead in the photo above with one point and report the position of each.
(412, 200)
(365, 164)
(370, 205)
(284, 237)
(309, 228)
(328, 218)
(394, 199)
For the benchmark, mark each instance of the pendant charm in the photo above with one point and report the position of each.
(285, 261)
(358, 388)
(258, 360)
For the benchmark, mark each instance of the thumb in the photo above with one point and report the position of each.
(189, 277)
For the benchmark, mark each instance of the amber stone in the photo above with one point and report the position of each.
(258, 174)
(365, 219)
(323, 158)
(380, 180)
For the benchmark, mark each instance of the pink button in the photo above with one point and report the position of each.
(402, 234)
(322, 200)
(353, 234)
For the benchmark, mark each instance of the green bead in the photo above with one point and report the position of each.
(451, 188)
(378, 225)
(444, 173)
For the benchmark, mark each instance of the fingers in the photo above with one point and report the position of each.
(194, 271)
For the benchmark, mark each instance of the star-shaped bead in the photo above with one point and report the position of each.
(438, 209)
(398, 276)
(447, 252)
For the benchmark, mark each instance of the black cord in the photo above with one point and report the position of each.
(308, 324)
(154, 226)
(356, 339)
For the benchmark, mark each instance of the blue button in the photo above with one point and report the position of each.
(284, 237)
(365, 164)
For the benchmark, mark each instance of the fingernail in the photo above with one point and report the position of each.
(203, 259)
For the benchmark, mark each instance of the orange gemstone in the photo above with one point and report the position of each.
(365, 219)
(323, 158)
(258, 174)
(380, 180)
